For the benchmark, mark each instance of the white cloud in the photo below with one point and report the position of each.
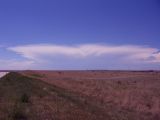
(130, 52)
(16, 64)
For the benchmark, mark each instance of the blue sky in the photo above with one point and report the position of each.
(80, 34)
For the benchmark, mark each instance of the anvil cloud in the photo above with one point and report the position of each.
(129, 52)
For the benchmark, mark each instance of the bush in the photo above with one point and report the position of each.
(25, 98)
(18, 112)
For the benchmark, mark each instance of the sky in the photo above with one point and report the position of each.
(80, 34)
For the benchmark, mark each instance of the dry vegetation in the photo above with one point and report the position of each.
(80, 95)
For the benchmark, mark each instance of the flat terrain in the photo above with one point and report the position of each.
(80, 95)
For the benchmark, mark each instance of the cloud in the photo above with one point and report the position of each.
(155, 58)
(16, 64)
(127, 52)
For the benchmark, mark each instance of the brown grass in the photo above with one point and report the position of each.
(128, 94)
(80, 95)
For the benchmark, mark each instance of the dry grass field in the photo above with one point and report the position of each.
(80, 95)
